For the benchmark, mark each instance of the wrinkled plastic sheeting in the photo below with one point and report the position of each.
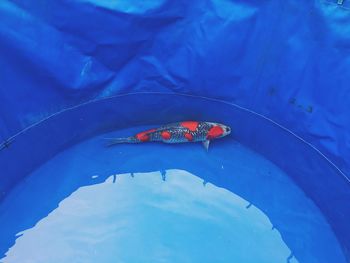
(287, 59)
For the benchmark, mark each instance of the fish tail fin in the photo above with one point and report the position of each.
(114, 141)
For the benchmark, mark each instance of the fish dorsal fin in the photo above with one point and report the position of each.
(170, 127)
(206, 144)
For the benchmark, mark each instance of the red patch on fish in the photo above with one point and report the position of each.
(166, 135)
(188, 136)
(191, 125)
(214, 132)
(144, 136)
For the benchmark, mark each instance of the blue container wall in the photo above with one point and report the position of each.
(287, 60)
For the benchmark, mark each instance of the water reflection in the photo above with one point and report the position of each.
(119, 206)
(144, 218)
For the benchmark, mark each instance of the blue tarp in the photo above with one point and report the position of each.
(286, 60)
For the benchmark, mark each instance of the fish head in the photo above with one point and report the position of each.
(218, 130)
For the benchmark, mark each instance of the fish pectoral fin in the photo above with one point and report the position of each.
(206, 144)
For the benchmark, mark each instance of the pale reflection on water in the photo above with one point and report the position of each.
(151, 217)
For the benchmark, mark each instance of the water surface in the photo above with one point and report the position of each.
(162, 203)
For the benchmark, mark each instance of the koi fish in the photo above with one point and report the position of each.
(180, 132)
